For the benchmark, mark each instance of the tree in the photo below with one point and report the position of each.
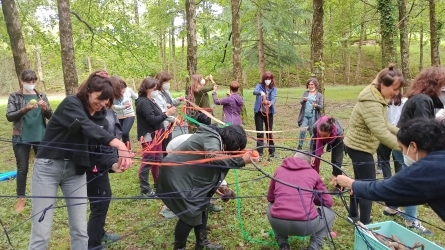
(404, 40)
(261, 60)
(192, 44)
(386, 7)
(14, 29)
(67, 47)
(317, 38)
(434, 40)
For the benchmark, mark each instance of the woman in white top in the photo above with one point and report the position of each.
(124, 110)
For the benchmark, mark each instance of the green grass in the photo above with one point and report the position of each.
(140, 219)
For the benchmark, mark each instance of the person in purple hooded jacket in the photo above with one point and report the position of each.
(299, 212)
(232, 104)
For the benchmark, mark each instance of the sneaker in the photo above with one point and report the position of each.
(416, 226)
(215, 208)
(110, 237)
(150, 194)
(391, 212)
(285, 246)
(20, 205)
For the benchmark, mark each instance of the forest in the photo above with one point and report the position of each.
(341, 42)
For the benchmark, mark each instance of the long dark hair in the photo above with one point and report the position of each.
(98, 81)
(268, 75)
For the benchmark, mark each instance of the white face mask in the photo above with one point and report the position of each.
(267, 82)
(166, 86)
(154, 94)
(29, 87)
(203, 81)
(408, 161)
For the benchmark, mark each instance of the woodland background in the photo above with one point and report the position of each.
(341, 42)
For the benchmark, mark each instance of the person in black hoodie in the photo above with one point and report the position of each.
(63, 158)
(103, 160)
(150, 125)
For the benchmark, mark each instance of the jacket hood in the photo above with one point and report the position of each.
(100, 114)
(294, 163)
(238, 99)
(372, 94)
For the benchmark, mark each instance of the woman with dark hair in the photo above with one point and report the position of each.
(421, 141)
(28, 110)
(311, 105)
(63, 158)
(264, 110)
(327, 131)
(187, 189)
(423, 100)
(124, 109)
(368, 125)
(232, 104)
(150, 125)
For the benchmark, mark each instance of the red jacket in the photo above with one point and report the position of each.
(288, 202)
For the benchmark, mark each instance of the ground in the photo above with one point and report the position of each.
(139, 220)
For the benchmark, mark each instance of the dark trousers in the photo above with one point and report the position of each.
(261, 119)
(182, 229)
(384, 156)
(98, 186)
(364, 169)
(165, 143)
(21, 152)
(144, 168)
(126, 125)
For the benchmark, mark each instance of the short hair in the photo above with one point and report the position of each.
(162, 77)
(428, 134)
(388, 76)
(304, 155)
(234, 86)
(314, 81)
(146, 84)
(98, 81)
(268, 75)
(234, 137)
(28, 75)
(429, 81)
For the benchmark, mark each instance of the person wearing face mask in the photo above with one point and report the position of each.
(124, 109)
(311, 105)
(423, 98)
(264, 110)
(28, 110)
(187, 189)
(150, 124)
(198, 93)
(421, 141)
(368, 125)
(166, 101)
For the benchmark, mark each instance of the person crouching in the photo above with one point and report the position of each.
(298, 212)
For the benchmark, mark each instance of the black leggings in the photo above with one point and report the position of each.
(183, 229)
(364, 169)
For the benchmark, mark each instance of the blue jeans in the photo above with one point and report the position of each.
(48, 175)
(410, 211)
(307, 122)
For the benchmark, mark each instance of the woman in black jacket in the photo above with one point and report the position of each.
(150, 124)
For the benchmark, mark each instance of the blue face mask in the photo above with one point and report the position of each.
(408, 160)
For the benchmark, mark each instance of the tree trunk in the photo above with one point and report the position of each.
(192, 44)
(236, 45)
(404, 40)
(14, 29)
(421, 48)
(173, 50)
(261, 60)
(67, 47)
(435, 60)
(136, 12)
(89, 65)
(317, 34)
(385, 7)
(359, 51)
(39, 67)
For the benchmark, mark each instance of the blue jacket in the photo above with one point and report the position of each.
(271, 97)
(418, 184)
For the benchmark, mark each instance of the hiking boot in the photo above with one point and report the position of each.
(215, 208)
(416, 226)
(390, 212)
(20, 205)
(285, 246)
(110, 237)
(202, 243)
